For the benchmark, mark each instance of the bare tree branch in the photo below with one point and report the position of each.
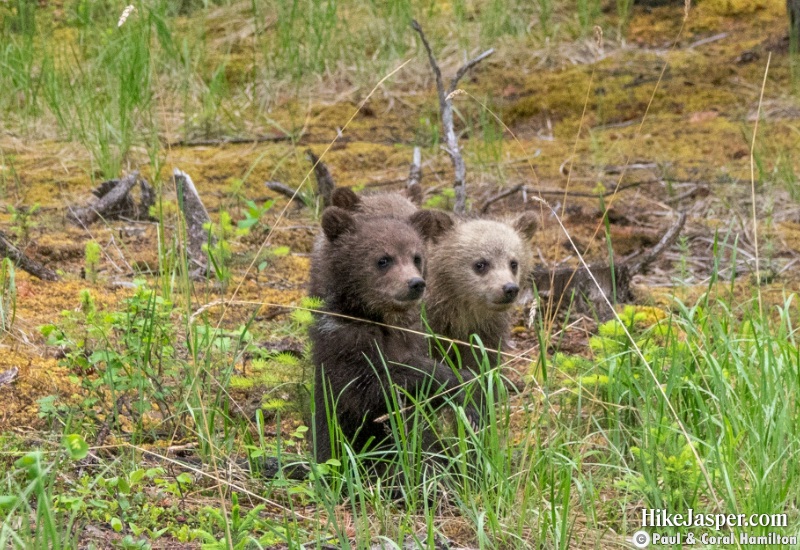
(325, 183)
(414, 176)
(285, 190)
(666, 241)
(465, 69)
(446, 112)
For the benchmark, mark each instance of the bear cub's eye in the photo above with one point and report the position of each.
(480, 267)
(385, 262)
(418, 261)
(514, 266)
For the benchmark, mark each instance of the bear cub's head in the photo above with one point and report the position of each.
(377, 264)
(484, 262)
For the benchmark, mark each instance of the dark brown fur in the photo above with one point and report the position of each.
(379, 205)
(459, 303)
(349, 353)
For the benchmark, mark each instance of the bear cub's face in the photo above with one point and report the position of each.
(378, 263)
(495, 264)
(484, 262)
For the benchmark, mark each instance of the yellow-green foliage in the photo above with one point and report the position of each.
(670, 455)
(442, 200)
(302, 317)
(653, 334)
(92, 260)
(570, 363)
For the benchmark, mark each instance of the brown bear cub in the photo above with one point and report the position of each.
(476, 272)
(390, 205)
(371, 273)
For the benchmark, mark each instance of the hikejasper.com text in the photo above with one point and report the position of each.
(652, 517)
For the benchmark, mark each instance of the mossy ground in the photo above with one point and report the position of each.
(593, 113)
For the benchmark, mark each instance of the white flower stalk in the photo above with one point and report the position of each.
(125, 14)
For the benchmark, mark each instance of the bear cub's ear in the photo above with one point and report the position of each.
(345, 198)
(336, 222)
(431, 224)
(526, 224)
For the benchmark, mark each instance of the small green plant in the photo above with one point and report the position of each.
(240, 532)
(253, 215)
(123, 360)
(624, 10)
(32, 500)
(91, 260)
(219, 253)
(22, 222)
(589, 12)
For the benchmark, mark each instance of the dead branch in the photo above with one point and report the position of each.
(446, 113)
(196, 216)
(285, 190)
(500, 196)
(666, 241)
(325, 183)
(562, 286)
(111, 199)
(559, 192)
(413, 187)
(8, 250)
(228, 140)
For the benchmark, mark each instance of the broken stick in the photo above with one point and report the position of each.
(325, 183)
(286, 191)
(413, 188)
(446, 112)
(561, 284)
(196, 216)
(8, 250)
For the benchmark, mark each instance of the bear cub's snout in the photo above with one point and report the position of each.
(510, 292)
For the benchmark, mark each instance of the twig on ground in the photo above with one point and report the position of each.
(648, 257)
(196, 216)
(286, 191)
(560, 192)
(325, 183)
(8, 376)
(709, 40)
(446, 112)
(8, 250)
(413, 187)
(228, 140)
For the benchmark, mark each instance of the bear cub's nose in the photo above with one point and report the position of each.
(510, 291)
(416, 286)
